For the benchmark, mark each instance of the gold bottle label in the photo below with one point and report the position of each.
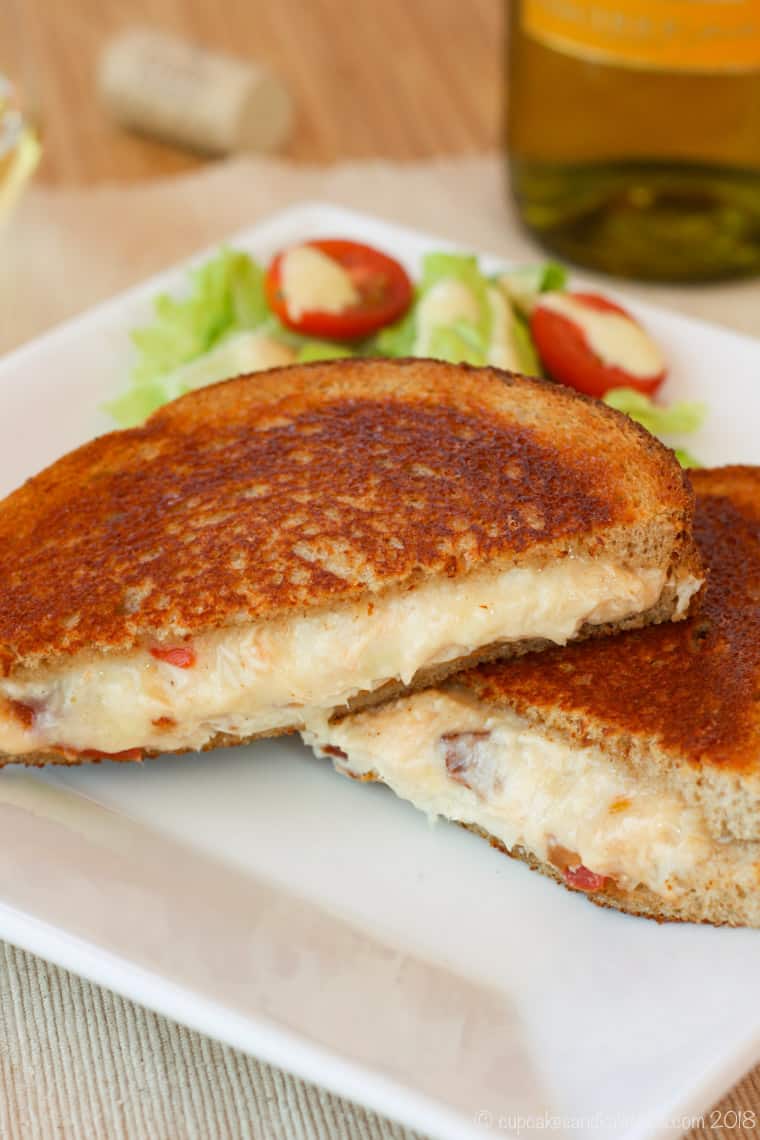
(668, 35)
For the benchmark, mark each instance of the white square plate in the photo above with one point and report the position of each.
(256, 896)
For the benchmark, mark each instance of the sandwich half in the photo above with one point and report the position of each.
(627, 768)
(290, 544)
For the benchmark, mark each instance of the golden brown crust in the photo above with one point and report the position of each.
(691, 687)
(282, 491)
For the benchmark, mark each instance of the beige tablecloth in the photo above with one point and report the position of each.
(76, 1062)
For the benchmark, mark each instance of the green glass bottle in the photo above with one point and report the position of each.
(633, 133)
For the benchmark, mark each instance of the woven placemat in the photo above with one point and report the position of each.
(76, 1061)
(79, 1063)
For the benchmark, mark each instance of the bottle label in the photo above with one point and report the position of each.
(667, 35)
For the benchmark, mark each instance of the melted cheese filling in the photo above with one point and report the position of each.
(258, 677)
(453, 758)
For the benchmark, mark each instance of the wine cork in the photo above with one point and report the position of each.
(177, 91)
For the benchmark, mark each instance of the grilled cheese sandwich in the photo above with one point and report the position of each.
(309, 539)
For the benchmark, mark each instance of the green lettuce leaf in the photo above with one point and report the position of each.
(525, 351)
(465, 340)
(321, 350)
(685, 458)
(396, 339)
(135, 405)
(306, 348)
(471, 338)
(236, 354)
(461, 341)
(226, 293)
(681, 418)
(676, 419)
(246, 283)
(524, 284)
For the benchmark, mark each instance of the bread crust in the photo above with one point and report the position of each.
(280, 492)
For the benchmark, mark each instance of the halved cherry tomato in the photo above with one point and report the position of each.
(183, 657)
(568, 356)
(384, 288)
(584, 880)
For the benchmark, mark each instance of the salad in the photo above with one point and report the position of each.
(331, 298)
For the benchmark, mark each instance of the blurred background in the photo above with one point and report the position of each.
(152, 150)
(630, 130)
(399, 80)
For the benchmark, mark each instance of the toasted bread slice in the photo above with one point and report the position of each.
(627, 767)
(300, 539)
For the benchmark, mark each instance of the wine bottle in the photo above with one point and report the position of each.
(633, 133)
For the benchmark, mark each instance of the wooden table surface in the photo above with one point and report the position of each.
(400, 79)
